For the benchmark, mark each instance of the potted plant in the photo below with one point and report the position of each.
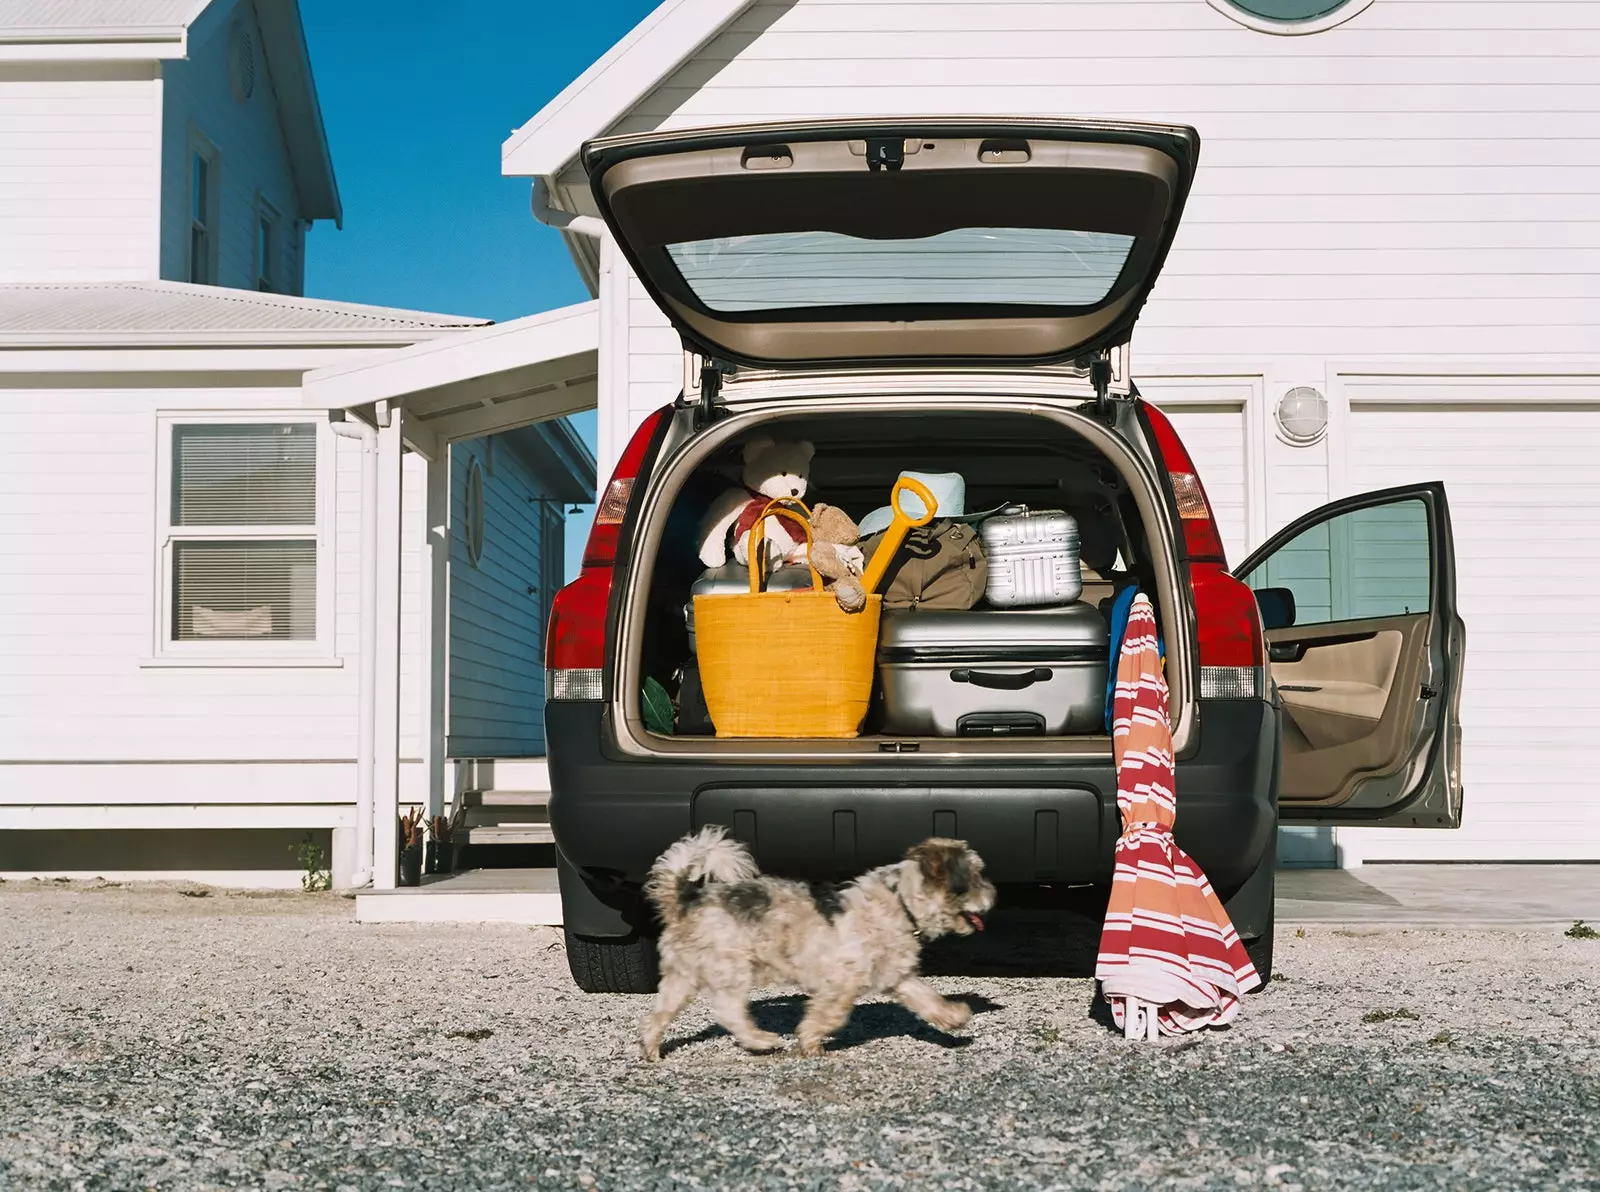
(440, 855)
(411, 826)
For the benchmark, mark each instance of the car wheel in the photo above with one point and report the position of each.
(1260, 953)
(613, 965)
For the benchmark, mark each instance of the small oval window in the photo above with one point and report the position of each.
(472, 515)
(1290, 16)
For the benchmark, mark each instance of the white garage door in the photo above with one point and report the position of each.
(1524, 498)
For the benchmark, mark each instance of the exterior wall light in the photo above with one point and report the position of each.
(1302, 416)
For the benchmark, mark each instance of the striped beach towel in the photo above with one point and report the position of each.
(1167, 942)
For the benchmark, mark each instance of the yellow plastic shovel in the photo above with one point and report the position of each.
(902, 523)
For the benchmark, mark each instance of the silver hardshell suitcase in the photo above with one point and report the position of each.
(734, 577)
(1033, 558)
(1023, 672)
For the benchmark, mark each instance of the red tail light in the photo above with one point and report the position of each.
(575, 639)
(1228, 624)
(1200, 533)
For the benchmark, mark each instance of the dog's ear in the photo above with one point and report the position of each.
(943, 863)
(931, 860)
(960, 873)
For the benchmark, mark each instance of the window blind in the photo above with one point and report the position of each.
(254, 589)
(227, 481)
(245, 475)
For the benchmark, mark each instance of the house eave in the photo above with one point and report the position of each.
(133, 44)
(667, 38)
(396, 337)
(283, 39)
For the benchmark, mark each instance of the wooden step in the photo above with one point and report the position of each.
(515, 774)
(505, 798)
(507, 834)
(478, 817)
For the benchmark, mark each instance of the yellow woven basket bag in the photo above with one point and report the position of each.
(785, 664)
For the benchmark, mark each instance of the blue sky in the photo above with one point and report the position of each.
(417, 98)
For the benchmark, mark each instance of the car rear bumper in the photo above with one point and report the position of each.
(1031, 823)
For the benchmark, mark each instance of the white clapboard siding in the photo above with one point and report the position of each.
(1525, 503)
(655, 357)
(1423, 180)
(78, 492)
(253, 158)
(79, 176)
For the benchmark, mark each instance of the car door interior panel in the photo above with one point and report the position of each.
(1348, 697)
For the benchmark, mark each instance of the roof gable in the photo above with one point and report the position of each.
(150, 30)
(625, 74)
(288, 59)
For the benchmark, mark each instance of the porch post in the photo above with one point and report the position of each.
(386, 728)
(436, 620)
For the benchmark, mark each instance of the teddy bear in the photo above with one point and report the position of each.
(837, 558)
(772, 469)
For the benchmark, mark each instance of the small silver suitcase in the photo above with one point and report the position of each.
(734, 577)
(1033, 558)
(1024, 672)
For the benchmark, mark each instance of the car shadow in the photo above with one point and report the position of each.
(868, 1023)
(1032, 932)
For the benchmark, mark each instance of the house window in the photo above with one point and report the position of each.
(202, 217)
(240, 547)
(267, 254)
(1290, 16)
(472, 514)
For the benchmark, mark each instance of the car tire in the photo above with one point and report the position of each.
(1260, 953)
(625, 965)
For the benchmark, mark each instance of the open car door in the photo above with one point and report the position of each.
(1365, 648)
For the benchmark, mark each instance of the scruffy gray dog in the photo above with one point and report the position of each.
(728, 929)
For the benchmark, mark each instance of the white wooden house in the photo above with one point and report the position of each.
(1396, 207)
(182, 632)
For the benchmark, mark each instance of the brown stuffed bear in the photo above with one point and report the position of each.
(836, 556)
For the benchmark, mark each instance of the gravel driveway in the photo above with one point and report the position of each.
(153, 1039)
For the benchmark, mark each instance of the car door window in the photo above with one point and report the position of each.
(1361, 565)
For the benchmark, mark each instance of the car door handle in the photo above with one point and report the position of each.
(998, 681)
(1294, 651)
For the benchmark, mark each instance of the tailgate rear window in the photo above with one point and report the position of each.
(1058, 267)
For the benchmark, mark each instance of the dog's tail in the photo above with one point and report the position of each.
(680, 874)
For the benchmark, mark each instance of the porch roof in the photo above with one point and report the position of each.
(177, 314)
(484, 381)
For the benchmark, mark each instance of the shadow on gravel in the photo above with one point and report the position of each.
(870, 1022)
(1032, 932)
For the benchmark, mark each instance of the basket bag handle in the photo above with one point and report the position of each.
(779, 507)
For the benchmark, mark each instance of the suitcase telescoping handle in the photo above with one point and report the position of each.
(1002, 681)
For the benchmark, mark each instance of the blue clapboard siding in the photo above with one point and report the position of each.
(498, 606)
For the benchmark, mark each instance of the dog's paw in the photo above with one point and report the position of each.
(810, 1049)
(762, 1041)
(951, 1016)
(650, 1053)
